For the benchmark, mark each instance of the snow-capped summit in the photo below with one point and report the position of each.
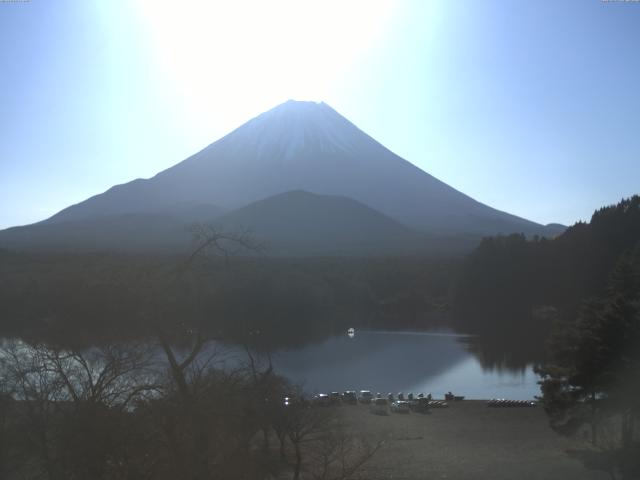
(289, 128)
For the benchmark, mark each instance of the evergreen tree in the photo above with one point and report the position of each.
(593, 373)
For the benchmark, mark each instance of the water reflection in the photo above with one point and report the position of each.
(392, 361)
(433, 362)
(501, 351)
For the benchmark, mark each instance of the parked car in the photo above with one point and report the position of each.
(334, 398)
(365, 396)
(390, 397)
(400, 406)
(400, 396)
(350, 397)
(321, 399)
(380, 406)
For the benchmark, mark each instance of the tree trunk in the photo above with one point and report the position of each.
(298, 465)
(281, 438)
(594, 422)
(627, 429)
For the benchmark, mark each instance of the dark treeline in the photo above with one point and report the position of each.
(88, 298)
(512, 289)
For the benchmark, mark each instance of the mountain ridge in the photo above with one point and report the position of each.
(294, 223)
(300, 222)
(304, 146)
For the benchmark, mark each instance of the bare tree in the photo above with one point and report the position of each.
(305, 425)
(68, 404)
(338, 455)
(190, 436)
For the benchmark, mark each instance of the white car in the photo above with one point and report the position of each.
(401, 406)
(365, 396)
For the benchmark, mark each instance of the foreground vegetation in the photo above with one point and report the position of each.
(131, 412)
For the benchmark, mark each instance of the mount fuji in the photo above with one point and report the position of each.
(308, 156)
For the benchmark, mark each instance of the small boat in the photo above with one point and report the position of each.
(420, 405)
(351, 332)
(501, 402)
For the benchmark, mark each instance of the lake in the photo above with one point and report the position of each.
(393, 361)
(429, 362)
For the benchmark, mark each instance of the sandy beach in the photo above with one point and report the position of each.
(468, 440)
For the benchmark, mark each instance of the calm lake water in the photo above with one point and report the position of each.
(393, 361)
(429, 362)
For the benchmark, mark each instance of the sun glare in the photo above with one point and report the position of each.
(241, 57)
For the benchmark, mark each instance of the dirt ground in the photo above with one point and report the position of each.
(468, 440)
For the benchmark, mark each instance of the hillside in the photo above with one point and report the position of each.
(300, 222)
(141, 231)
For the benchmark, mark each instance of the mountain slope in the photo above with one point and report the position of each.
(305, 146)
(138, 231)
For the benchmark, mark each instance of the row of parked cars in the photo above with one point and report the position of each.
(382, 404)
(364, 396)
(397, 403)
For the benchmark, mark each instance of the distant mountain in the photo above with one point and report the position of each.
(552, 230)
(295, 146)
(304, 223)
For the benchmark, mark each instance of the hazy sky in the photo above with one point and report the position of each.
(530, 107)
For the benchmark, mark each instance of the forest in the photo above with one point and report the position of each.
(511, 289)
(89, 298)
